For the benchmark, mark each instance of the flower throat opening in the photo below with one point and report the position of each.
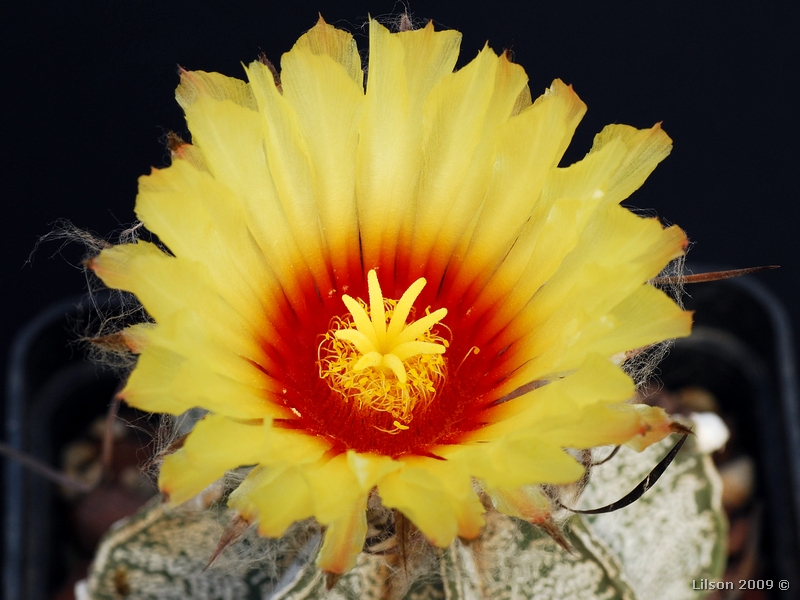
(373, 358)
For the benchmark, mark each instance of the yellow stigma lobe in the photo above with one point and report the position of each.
(374, 357)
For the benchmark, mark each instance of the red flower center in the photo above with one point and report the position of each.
(375, 378)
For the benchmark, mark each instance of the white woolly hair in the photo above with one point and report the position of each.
(642, 364)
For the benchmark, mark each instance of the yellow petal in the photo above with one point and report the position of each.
(596, 381)
(339, 45)
(569, 198)
(167, 382)
(631, 248)
(215, 445)
(524, 445)
(527, 503)
(293, 447)
(276, 497)
(236, 200)
(438, 498)
(184, 333)
(617, 254)
(344, 540)
(166, 285)
(645, 317)
(291, 172)
(335, 489)
(456, 220)
(656, 425)
(455, 120)
(323, 82)
(602, 426)
(341, 505)
(519, 459)
(529, 146)
(403, 69)
(369, 468)
(647, 148)
(197, 84)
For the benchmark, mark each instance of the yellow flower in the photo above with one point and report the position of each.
(393, 289)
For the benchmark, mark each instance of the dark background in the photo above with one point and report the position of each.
(87, 99)
(87, 93)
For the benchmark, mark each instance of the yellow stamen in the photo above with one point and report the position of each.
(372, 356)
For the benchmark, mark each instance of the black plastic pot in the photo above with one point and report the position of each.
(741, 351)
(53, 392)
